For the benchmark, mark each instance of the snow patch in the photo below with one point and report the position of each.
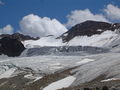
(7, 73)
(63, 83)
(30, 76)
(86, 60)
(56, 66)
(100, 30)
(112, 79)
(37, 78)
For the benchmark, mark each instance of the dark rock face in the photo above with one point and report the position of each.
(68, 51)
(105, 88)
(11, 47)
(87, 89)
(19, 36)
(88, 28)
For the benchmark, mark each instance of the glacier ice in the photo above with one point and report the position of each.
(105, 64)
(106, 39)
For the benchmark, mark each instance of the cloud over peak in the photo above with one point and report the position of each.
(78, 16)
(112, 12)
(37, 26)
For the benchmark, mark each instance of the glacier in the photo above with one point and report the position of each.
(95, 56)
(89, 67)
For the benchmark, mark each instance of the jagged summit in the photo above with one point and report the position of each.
(19, 36)
(88, 28)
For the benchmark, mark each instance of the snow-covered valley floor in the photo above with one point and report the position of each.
(36, 69)
(45, 64)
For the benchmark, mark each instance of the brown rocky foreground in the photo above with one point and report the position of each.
(20, 83)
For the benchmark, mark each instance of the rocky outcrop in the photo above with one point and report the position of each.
(11, 47)
(88, 28)
(19, 36)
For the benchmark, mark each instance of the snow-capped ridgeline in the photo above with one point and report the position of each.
(98, 40)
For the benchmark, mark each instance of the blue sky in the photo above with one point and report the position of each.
(14, 10)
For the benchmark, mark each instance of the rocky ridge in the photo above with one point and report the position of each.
(19, 36)
(88, 28)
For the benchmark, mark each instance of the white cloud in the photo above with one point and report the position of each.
(112, 12)
(1, 3)
(8, 29)
(36, 26)
(78, 16)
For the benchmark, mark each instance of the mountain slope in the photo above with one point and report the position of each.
(88, 28)
(19, 36)
(87, 60)
(89, 33)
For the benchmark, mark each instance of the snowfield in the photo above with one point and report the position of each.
(89, 67)
(106, 39)
(103, 40)
(105, 64)
(43, 64)
(44, 41)
(49, 55)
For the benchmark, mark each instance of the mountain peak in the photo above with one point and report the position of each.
(88, 28)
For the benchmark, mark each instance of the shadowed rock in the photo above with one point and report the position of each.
(11, 47)
(87, 89)
(105, 88)
(19, 36)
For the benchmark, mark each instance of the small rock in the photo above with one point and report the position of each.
(105, 88)
(113, 88)
(87, 89)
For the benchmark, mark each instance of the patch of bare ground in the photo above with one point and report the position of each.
(20, 83)
(13, 83)
(47, 79)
